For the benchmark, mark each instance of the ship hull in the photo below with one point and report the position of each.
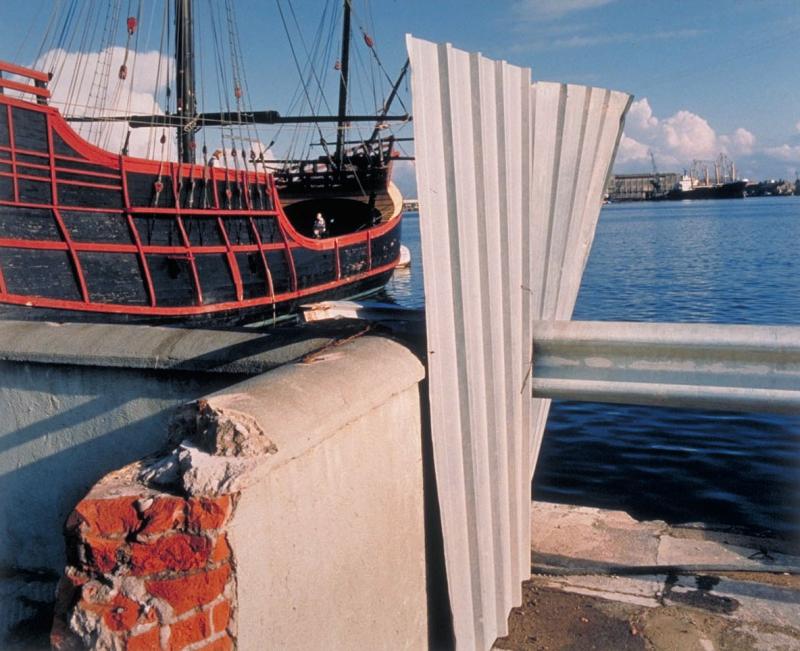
(89, 235)
(733, 190)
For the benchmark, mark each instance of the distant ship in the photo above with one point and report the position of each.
(684, 190)
(697, 183)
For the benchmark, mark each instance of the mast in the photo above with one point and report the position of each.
(345, 62)
(184, 78)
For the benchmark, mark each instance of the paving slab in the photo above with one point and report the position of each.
(603, 580)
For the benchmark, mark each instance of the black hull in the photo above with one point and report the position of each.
(87, 235)
(734, 190)
(283, 313)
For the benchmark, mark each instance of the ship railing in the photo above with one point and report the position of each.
(38, 88)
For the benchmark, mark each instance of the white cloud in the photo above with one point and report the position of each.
(549, 9)
(797, 126)
(589, 40)
(631, 150)
(740, 143)
(687, 135)
(788, 153)
(676, 140)
(76, 91)
(640, 117)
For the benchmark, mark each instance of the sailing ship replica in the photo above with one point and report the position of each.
(89, 234)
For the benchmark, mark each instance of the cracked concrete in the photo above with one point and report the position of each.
(602, 579)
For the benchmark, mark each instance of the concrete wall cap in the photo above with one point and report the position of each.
(298, 405)
(156, 347)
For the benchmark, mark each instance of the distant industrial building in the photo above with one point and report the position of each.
(640, 187)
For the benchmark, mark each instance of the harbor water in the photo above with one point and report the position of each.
(732, 261)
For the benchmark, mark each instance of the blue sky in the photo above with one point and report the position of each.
(708, 76)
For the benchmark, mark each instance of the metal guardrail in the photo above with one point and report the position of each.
(710, 366)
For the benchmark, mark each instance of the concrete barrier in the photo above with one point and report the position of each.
(78, 401)
(290, 515)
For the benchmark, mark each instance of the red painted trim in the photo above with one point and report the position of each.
(25, 204)
(84, 184)
(107, 247)
(111, 308)
(35, 166)
(192, 264)
(24, 88)
(72, 170)
(28, 177)
(13, 150)
(282, 222)
(210, 212)
(45, 245)
(151, 292)
(31, 152)
(14, 69)
(232, 262)
(268, 276)
(57, 214)
(2, 283)
(73, 159)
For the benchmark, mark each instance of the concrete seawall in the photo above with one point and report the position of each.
(78, 401)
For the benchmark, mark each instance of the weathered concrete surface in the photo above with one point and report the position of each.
(328, 534)
(603, 580)
(151, 347)
(297, 495)
(79, 400)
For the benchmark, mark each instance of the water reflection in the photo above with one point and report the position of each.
(702, 261)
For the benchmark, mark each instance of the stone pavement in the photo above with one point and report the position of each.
(602, 580)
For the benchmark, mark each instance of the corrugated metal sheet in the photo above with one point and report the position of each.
(510, 179)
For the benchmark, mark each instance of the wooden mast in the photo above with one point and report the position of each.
(341, 124)
(184, 77)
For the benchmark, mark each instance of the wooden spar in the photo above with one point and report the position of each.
(220, 119)
(184, 77)
(345, 64)
(387, 105)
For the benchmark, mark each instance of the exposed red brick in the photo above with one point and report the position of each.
(220, 644)
(75, 577)
(119, 614)
(188, 631)
(208, 512)
(221, 550)
(101, 553)
(220, 616)
(164, 514)
(188, 592)
(115, 515)
(178, 553)
(148, 641)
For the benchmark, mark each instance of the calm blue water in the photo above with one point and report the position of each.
(705, 261)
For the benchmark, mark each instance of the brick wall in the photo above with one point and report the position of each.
(146, 570)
